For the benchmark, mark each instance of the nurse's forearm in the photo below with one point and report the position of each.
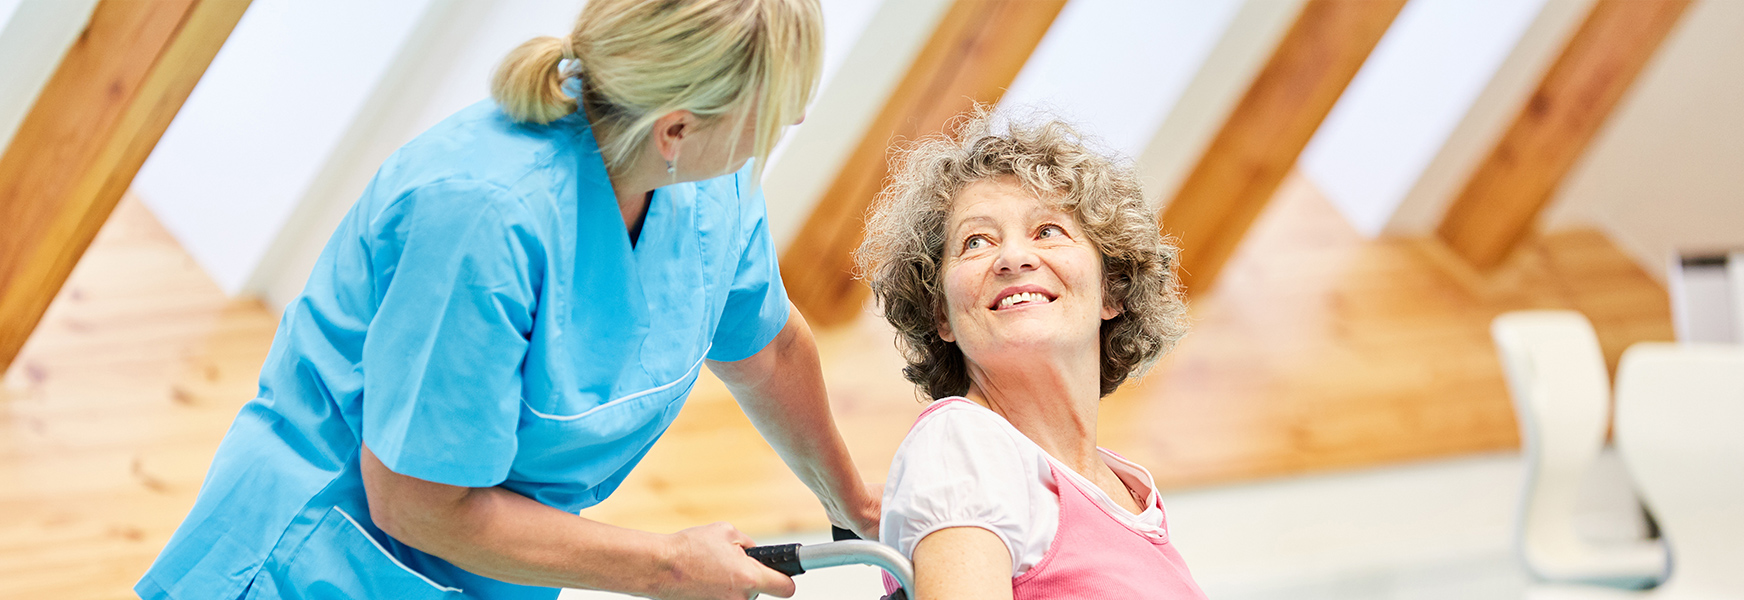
(503, 535)
(781, 389)
(499, 534)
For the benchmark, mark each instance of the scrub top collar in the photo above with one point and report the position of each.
(654, 288)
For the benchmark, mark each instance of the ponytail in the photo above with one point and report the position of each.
(642, 59)
(527, 85)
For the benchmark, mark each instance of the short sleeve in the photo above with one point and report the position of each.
(756, 308)
(443, 353)
(961, 468)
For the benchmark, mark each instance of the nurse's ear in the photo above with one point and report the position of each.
(670, 132)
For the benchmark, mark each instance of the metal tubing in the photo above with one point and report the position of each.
(859, 552)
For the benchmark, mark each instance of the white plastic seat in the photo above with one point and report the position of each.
(1556, 376)
(1680, 430)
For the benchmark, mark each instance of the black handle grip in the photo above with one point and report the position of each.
(783, 558)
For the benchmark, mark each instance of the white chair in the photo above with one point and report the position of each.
(1680, 429)
(1561, 392)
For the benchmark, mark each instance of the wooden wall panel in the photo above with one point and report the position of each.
(1499, 204)
(977, 50)
(92, 126)
(1273, 121)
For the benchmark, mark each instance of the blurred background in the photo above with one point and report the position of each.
(1360, 189)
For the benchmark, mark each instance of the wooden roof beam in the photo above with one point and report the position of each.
(1259, 142)
(1501, 201)
(972, 56)
(91, 127)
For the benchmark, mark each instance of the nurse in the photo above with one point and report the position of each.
(513, 313)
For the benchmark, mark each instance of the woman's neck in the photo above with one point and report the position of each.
(634, 189)
(633, 186)
(1053, 402)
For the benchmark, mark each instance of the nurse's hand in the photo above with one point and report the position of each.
(862, 517)
(709, 563)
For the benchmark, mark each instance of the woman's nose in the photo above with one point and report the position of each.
(1015, 258)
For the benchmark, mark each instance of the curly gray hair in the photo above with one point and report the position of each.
(903, 254)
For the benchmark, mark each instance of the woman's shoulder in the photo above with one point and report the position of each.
(480, 143)
(953, 416)
(737, 186)
(731, 198)
(963, 465)
(483, 157)
(957, 435)
(482, 131)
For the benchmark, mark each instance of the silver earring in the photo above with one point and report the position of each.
(671, 169)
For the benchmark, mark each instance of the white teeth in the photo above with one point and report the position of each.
(1021, 298)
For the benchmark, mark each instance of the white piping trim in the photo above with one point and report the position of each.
(634, 396)
(397, 562)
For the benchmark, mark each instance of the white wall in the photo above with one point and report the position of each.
(34, 35)
(1411, 93)
(1487, 119)
(6, 8)
(245, 146)
(443, 65)
(1667, 170)
(867, 52)
(1116, 67)
(1241, 50)
(844, 22)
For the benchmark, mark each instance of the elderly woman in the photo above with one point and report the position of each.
(1026, 279)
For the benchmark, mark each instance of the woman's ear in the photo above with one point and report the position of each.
(944, 326)
(1111, 310)
(670, 131)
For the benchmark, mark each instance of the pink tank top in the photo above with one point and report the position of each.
(1095, 555)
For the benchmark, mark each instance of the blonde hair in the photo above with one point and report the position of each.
(642, 59)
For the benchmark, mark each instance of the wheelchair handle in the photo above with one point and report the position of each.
(794, 559)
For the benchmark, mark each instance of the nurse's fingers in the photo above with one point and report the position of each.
(774, 583)
(766, 580)
(714, 565)
(738, 538)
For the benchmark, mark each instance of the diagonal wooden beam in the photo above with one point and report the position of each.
(1270, 125)
(973, 55)
(92, 126)
(1501, 201)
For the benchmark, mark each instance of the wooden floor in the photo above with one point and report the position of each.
(111, 413)
(1318, 350)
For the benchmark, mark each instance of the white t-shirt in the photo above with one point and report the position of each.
(963, 465)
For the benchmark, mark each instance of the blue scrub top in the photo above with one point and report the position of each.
(479, 319)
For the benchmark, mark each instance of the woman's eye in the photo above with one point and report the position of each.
(975, 243)
(1050, 231)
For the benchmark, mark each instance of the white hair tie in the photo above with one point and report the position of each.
(569, 67)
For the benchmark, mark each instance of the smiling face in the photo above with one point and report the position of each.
(1021, 277)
